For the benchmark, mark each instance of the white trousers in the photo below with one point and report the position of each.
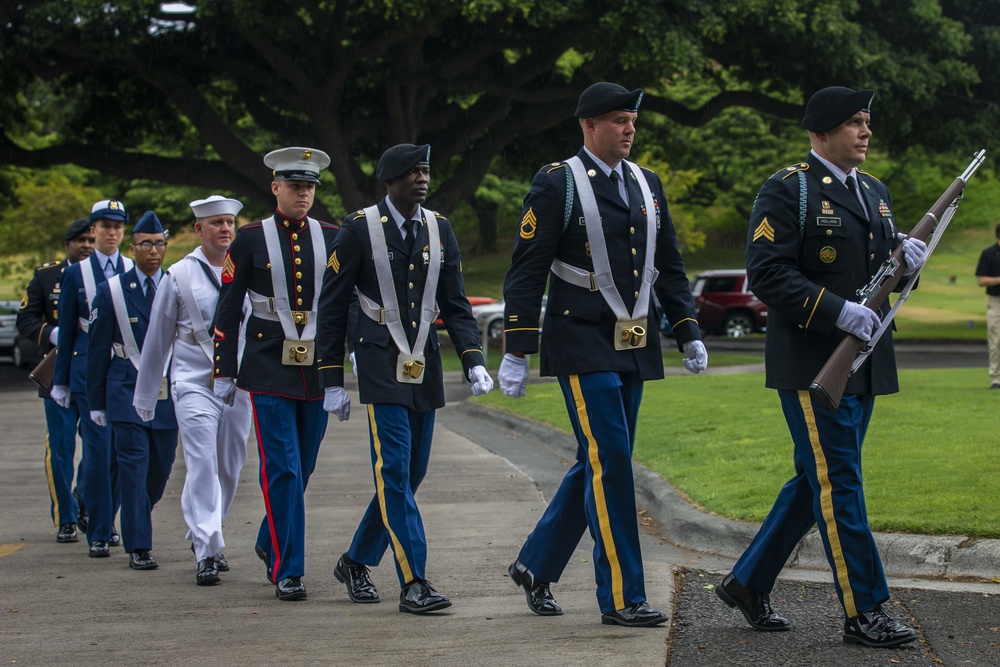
(214, 440)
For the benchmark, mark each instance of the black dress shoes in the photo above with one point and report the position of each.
(99, 549)
(142, 559)
(116, 539)
(67, 533)
(537, 592)
(267, 561)
(291, 588)
(208, 573)
(359, 583)
(221, 564)
(755, 606)
(877, 629)
(82, 518)
(640, 615)
(419, 597)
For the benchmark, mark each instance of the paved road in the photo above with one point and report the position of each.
(485, 490)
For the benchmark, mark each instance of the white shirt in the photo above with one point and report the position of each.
(622, 190)
(842, 177)
(102, 261)
(398, 218)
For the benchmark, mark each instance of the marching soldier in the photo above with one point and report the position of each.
(597, 228)
(815, 237)
(145, 448)
(99, 487)
(38, 320)
(278, 262)
(402, 259)
(213, 434)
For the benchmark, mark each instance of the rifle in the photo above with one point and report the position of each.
(828, 386)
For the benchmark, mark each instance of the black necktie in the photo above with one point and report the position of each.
(616, 180)
(109, 269)
(411, 235)
(150, 290)
(852, 185)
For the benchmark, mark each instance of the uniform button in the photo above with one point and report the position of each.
(295, 237)
(411, 267)
(286, 223)
(636, 295)
(413, 305)
(298, 288)
(633, 251)
(829, 232)
(216, 345)
(298, 274)
(269, 265)
(74, 353)
(298, 260)
(260, 335)
(870, 236)
(296, 248)
(631, 230)
(872, 256)
(361, 340)
(218, 358)
(410, 285)
(565, 312)
(413, 324)
(298, 301)
(635, 272)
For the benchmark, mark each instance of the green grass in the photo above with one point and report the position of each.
(931, 458)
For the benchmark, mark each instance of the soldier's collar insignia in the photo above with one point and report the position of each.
(827, 180)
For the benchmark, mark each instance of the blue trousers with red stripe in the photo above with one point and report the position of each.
(289, 432)
(400, 449)
(597, 493)
(145, 459)
(827, 491)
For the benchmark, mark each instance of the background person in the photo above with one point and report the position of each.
(619, 234)
(38, 321)
(807, 271)
(988, 276)
(213, 435)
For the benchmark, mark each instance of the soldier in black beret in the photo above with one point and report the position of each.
(400, 258)
(597, 229)
(38, 321)
(816, 237)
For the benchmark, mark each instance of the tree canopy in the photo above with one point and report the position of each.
(136, 92)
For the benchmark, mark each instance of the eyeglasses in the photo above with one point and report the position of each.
(149, 245)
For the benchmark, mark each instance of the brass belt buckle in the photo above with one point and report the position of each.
(410, 368)
(298, 352)
(630, 334)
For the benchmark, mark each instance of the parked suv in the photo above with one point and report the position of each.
(725, 305)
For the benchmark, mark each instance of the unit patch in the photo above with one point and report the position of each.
(764, 231)
(528, 224)
(827, 254)
(228, 269)
(24, 300)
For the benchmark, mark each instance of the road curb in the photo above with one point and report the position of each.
(684, 524)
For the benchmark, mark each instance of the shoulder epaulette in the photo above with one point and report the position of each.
(791, 169)
(642, 166)
(438, 215)
(47, 265)
(549, 168)
(862, 171)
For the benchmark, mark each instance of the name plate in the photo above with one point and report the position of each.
(410, 368)
(298, 352)
(630, 334)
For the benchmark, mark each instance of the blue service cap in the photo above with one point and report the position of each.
(829, 107)
(297, 163)
(401, 158)
(76, 228)
(108, 209)
(148, 224)
(604, 96)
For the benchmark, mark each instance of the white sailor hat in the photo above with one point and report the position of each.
(108, 209)
(297, 163)
(215, 205)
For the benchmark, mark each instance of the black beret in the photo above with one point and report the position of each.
(78, 227)
(401, 158)
(829, 107)
(605, 96)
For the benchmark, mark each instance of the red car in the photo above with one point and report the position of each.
(473, 301)
(725, 304)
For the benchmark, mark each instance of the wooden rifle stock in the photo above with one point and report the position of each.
(827, 387)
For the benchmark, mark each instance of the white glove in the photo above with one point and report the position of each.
(858, 320)
(54, 335)
(914, 252)
(225, 390)
(99, 417)
(513, 375)
(60, 394)
(697, 356)
(337, 402)
(354, 365)
(482, 383)
(145, 415)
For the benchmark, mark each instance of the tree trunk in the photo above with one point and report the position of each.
(486, 212)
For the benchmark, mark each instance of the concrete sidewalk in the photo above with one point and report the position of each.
(62, 608)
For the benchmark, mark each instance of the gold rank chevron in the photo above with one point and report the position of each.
(333, 262)
(764, 230)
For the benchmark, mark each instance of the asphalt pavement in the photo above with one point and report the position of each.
(487, 484)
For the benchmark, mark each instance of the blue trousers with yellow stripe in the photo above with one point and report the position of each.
(400, 449)
(289, 432)
(598, 491)
(827, 491)
(60, 450)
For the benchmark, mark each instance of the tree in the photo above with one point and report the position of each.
(123, 87)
